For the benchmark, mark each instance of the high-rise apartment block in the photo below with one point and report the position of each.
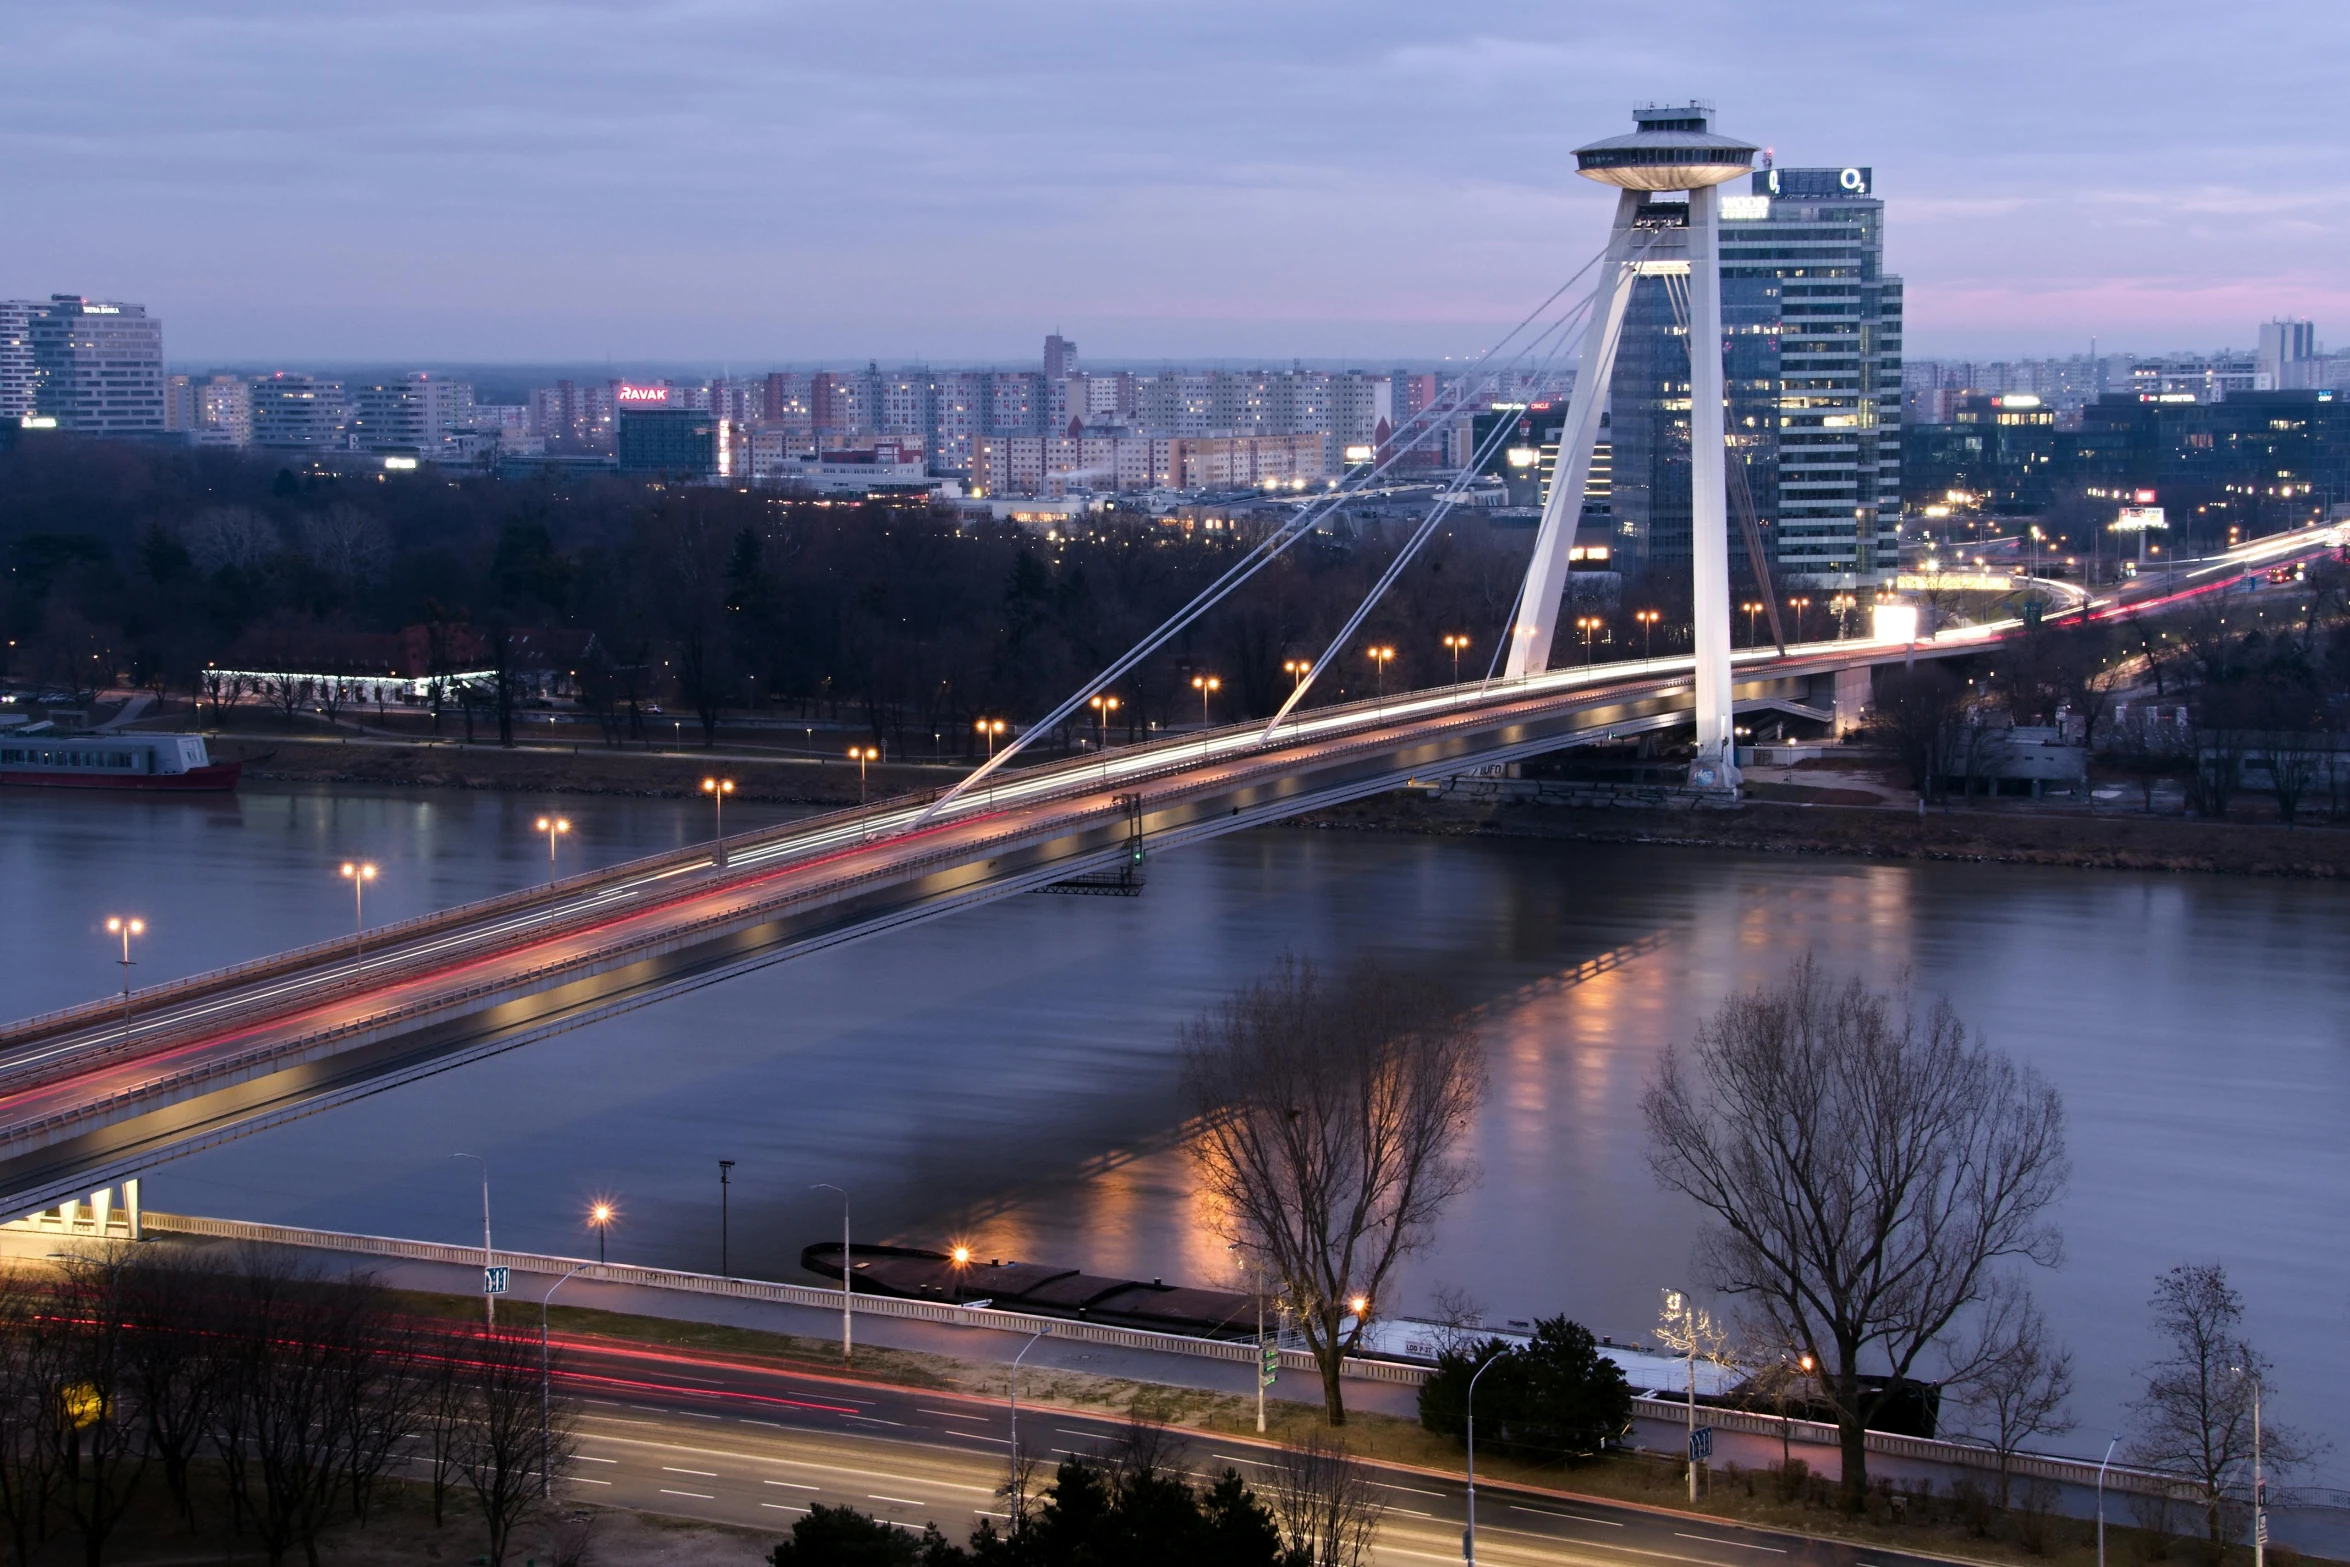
(92, 365)
(295, 413)
(417, 414)
(2289, 360)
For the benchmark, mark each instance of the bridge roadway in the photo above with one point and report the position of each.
(87, 1099)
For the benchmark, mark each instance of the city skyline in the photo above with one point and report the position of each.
(453, 187)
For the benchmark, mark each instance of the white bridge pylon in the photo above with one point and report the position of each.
(1673, 149)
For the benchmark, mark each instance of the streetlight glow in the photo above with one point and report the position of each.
(126, 928)
(718, 789)
(1456, 644)
(1206, 686)
(554, 827)
(359, 873)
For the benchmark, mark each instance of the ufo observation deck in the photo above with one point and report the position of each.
(1674, 149)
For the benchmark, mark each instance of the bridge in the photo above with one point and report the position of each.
(94, 1094)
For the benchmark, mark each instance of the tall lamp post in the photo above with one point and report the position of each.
(988, 729)
(725, 1268)
(1456, 645)
(1469, 1534)
(489, 1302)
(718, 789)
(1799, 604)
(1206, 686)
(1588, 624)
(1381, 656)
(126, 929)
(1648, 619)
(359, 873)
(1017, 1499)
(2107, 1459)
(1297, 669)
(863, 756)
(554, 827)
(2251, 1373)
(547, 1390)
(600, 1220)
(848, 1276)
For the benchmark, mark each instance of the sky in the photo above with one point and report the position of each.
(763, 183)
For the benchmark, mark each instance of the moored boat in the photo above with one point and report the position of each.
(137, 761)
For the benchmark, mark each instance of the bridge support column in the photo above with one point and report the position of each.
(1851, 702)
(1716, 764)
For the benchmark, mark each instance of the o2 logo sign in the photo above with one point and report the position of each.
(1849, 182)
(1853, 182)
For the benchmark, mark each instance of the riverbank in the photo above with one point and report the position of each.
(1996, 834)
(586, 769)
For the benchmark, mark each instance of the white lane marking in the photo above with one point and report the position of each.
(699, 1496)
(1577, 1517)
(948, 1414)
(978, 1436)
(699, 1474)
(580, 1458)
(584, 1480)
(788, 1485)
(1090, 1436)
(1405, 1512)
(1235, 1458)
(1707, 1539)
(783, 1507)
(901, 1501)
(796, 1463)
(1385, 1485)
(872, 1420)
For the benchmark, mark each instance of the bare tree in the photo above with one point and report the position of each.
(288, 692)
(345, 545)
(1332, 1112)
(2195, 1417)
(102, 1446)
(1324, 1503)
(2018, 1382)
(279, 1431)
(1866, 1165)
(504, 1446)
(1915, 716)
(172, 1305)
(32, 1370)
(232, 538)
(441, 1410)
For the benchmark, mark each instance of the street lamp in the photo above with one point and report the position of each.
(1456, 644)
(1648, 619)
(489, 1301)
(863, 756)
(1381, 657)
(1799, 604)
(1206, 686)
(600, 1215)
(1103, 707)
(554, 827)
(1587, 624)
(1042, 1330)
(2251, 1373)
(126, 929)
(848, 1275)
(718, 789)
(1752, 609)
(1297, 669)
(2107, 1459)
(725, 1268)
(1469, 1534)
(547, 1389)
(359, 873)
(988, 729)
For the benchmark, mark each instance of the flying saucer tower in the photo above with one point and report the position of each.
(1673, 149)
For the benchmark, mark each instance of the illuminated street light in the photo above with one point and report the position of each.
(1381, 656)
(1103, 707)
(1297, 669)
(126, 929)
(600, 1215)
(359, 873)
(1799, 604)
(718, 789)
(1648, 619)
(554, 827)
(1752, 609)
(988, 729)
(864, 756)
(1456, 644)
(1588, 624)
(1206, 686)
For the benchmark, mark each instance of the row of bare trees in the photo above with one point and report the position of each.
(275, 1400)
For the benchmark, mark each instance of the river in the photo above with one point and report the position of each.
(1008, 1076)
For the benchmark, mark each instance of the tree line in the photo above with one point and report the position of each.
(265, 1400)
(151, 564)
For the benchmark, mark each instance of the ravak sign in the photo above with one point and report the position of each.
(642, 396)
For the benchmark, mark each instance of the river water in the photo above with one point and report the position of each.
(1007, 1075)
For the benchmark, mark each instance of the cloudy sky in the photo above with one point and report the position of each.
(756, 183)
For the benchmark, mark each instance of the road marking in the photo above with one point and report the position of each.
(699, 1496)
(796, 1463)
(783, 1507)
(978, 1436)
(1386, 1486)
(901, 1501)
(584, 1480)
(949, 1414)
(1707, 1539)
(789, 1485)
(1577, 1517)
(584, 1459)
(1405, 1512)
(699, 1474)
(1090, 1436)
(868, 1419)
(1253, 1463)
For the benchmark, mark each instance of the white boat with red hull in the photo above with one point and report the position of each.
(138, 761)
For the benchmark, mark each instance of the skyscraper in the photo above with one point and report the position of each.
(2289, 359)
(97, 365)
(1812, 326)
(17, 374)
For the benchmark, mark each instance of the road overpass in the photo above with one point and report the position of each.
(96, 1093)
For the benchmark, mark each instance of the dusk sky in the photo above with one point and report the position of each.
(766, 183)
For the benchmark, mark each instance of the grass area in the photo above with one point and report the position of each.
(1927, 1524)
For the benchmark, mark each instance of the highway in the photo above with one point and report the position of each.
(734, 1442)
(86, 1098)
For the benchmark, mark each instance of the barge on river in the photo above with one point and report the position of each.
(910, 1273)
(173, 762)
